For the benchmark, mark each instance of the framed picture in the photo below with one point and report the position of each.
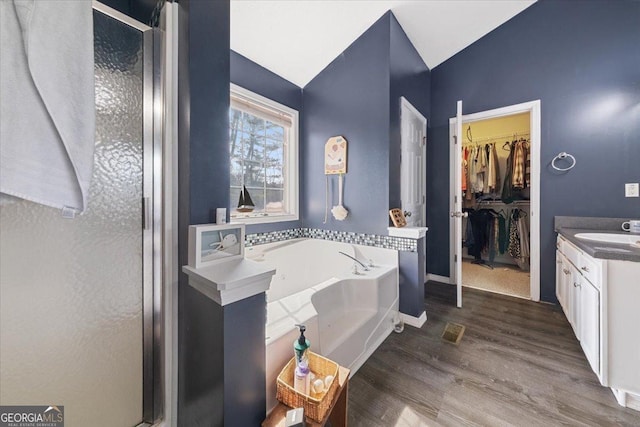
(213, 243)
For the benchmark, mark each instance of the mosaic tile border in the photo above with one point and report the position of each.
(387, 242)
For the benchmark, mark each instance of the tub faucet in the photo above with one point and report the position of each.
(364, 266)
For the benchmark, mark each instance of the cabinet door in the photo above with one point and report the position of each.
(560, 293)
(589, 321)
(573, 297)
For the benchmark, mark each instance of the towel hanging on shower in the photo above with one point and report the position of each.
(47, 107)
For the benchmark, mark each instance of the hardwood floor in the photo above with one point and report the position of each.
(518, 364)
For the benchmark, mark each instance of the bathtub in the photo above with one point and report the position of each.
(347, 315)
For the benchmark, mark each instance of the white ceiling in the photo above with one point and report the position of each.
(297, 39)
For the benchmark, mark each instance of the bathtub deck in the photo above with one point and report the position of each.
(518, 364)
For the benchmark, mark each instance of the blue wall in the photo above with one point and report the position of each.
(137, 9)
(350, 97)
(203, 181)
(251, 76)
(582, 60)
(358, 96)
(411, 78)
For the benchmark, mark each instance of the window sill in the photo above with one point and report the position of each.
(263, 219)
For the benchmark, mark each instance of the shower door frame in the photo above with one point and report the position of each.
(152, 219)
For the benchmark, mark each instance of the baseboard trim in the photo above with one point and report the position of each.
(437, 278)
(416, 322)
(627, 399)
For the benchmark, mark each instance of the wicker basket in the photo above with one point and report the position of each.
(315, 405)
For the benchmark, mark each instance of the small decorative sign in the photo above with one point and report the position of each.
(397, 217)
(335, 156)
(213, 243)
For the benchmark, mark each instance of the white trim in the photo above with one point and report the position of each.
(416, 322)
(264, 219)
(291, 152)
(109, 11)
(230, 281)
(437, 278)
(408, 232)
(457, 206)
(534, 109)
(169, 60)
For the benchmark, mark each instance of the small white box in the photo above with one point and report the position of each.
(213, 243)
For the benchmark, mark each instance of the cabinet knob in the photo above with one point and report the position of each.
(565, 271)
(585, 268)
(576, 285)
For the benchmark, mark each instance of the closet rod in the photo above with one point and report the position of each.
(500, 202)
(491, 138)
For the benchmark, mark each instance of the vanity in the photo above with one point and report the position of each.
(598, 287)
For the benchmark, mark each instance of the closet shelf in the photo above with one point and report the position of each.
(512, 135)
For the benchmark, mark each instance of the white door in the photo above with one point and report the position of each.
(456, 214)
(413, 172)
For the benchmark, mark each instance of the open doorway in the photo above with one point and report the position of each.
(499, 201)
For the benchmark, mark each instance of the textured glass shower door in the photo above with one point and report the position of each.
(71, 291)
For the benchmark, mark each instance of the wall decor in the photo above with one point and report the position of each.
(213, 243)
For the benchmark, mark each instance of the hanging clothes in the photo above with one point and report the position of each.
(481, 170)
(493, 173)
(467, 233)
(527, 165)
(492, 245)
(479, 220)
(502, 234)
(514, 236)
(523, 231)
(518, 166)
(507, 187)
(464, 170)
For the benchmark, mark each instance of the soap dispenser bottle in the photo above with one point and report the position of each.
(302, 377)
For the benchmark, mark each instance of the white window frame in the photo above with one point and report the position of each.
(290, 164)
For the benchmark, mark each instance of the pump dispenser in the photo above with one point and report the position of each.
(302, 377)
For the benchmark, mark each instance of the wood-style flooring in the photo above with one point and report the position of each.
(518, 364)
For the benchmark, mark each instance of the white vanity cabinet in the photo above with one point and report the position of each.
(580, 298)
(589, 321)
(601, 299)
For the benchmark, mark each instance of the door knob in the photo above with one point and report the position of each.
(459, 214)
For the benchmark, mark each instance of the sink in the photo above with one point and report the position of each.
(623, 239)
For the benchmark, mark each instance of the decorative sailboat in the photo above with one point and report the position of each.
(245, 204)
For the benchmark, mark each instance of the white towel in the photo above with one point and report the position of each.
(47, 101)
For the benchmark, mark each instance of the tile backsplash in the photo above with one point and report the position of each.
(387, 242)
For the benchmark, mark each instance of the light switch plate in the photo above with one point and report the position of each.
(632, 190)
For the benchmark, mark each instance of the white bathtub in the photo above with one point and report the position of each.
(347, 315)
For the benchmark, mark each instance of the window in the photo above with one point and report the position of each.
(263, 155)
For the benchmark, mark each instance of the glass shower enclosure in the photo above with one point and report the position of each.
(77, 296)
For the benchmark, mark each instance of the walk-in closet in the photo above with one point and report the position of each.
(496, 181)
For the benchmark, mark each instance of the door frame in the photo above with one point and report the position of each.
(404, 103)
(533, 108)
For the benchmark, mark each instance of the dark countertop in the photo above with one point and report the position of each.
(602, 250)
(569, 226)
